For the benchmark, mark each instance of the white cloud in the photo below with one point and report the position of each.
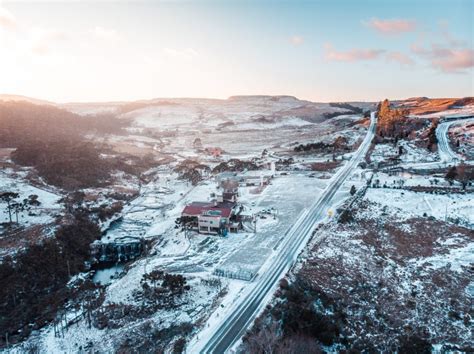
(42, 40)
(296, 40)
(182, 54)
(7, 20)
(105, 33)
(352, 55)
(392, 26)
(400, 58)
(448, 55)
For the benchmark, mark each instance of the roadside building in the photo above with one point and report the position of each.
(211, 217)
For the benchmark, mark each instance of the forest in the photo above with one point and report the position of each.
(58, 144)
(29, 298)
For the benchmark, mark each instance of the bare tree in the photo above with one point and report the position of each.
(265, 340)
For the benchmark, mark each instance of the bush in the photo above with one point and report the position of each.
(414, 344)
(346, 217)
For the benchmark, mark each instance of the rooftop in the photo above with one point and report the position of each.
(198, 208)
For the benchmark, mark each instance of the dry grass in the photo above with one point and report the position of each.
(325, 166)
(14, 239)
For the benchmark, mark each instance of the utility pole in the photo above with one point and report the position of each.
(146, 257)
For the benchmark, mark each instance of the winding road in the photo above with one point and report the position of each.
(224, 335)
(446, 154)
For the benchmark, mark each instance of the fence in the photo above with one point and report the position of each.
(240, 274)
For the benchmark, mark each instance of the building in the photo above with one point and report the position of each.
(254, 180)
(213, 151)
(212, 222)
(210, 217)
(230, 190)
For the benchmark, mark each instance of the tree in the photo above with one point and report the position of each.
(33, 200)
(353, 190)
(451, 175)
(18, 207)
(264, 340)
(414, 344)
(391, 121)
(462, 175)
(9, 197)
(197, 144)
(346, 217)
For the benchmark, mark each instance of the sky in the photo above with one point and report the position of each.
(318, 50)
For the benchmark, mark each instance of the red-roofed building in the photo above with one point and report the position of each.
(209, 217)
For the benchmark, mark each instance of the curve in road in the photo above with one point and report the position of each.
(447, 154)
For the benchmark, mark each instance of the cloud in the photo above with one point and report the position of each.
(392, 26)
(7, 20)
(296, 40)
(42, 41)
(447, 36)
(351, 55)
(453, 60)
(400, 58)
(182, 54)
(448, 57)
(28, 40)
(148, 59)
(105, 33)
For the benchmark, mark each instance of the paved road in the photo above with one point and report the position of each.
(234, 325)
(446, 154)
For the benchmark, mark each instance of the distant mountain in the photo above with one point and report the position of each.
(415, 105)
(424, 105)
(7, 97)
(263, 97)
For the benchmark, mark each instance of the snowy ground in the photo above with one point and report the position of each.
(387, 279)
(463, 131)
(409, 204)
(450, 113)
(195, 256)
(411, 153)
(42, 214)
(243, 130)
(234, 125)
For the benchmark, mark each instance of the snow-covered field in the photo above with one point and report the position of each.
(409, 204)
(235, 125)
(195, 256)
(450, 113)
(463, 133)
(41, 214)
